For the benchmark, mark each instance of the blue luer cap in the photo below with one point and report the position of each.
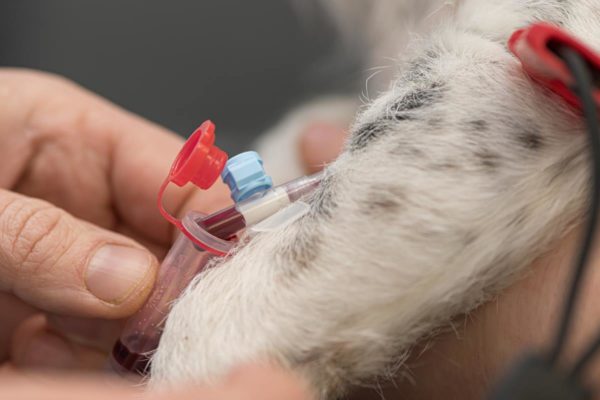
(245, 175)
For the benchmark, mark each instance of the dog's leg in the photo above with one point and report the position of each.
(451, 183)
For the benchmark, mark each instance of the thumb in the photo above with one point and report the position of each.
(64, 265)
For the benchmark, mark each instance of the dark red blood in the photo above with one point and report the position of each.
(224, 224)
(129, 360)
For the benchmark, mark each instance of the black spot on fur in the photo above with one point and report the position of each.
(531, 139)
(412, 101)
(479, 125)
(431, 54)
(305, 249)
(322, 202)
(415, 152)
(402, 110)
(406, 150)
(385, 201)
(420, 68)
(399, 116)
(435, 122)
(488, 159)
(418, 98)
(366, 134)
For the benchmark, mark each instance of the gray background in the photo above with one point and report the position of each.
(240, 63)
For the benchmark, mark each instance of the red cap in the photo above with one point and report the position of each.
(199, 161)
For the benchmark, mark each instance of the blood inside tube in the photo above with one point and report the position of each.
(131, 361)
(224, 224)
(184, 261)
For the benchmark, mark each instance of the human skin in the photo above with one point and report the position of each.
(77, 174)
(80, 174)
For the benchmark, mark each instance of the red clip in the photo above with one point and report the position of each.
(200, 162)
(534, 47)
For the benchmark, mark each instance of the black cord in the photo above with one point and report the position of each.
(583, 88)
(591, 116)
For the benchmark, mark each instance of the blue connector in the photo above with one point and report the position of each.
(245, 175)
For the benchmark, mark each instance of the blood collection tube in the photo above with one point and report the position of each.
(186, 259)
(142, 331)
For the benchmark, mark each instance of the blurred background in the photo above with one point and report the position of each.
(179, 62)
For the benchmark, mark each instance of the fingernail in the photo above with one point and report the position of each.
(114, 272)
(48, 351)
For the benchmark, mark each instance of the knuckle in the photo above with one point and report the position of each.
(15, 80)
(42, 104)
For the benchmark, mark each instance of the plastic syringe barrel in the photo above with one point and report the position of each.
(257, 208)
(302, 186)
(227, 222)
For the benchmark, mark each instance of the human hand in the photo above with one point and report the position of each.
(79, 186)
(98, 169)
(77, 204)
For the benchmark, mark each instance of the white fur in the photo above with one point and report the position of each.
(472, 171)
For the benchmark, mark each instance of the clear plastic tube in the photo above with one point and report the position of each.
(185, 260)
(142, 331)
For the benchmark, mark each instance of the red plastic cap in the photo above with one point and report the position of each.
(199, 161)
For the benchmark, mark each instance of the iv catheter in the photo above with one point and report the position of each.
(202, 236)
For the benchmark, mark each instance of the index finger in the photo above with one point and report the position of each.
(133, 155)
